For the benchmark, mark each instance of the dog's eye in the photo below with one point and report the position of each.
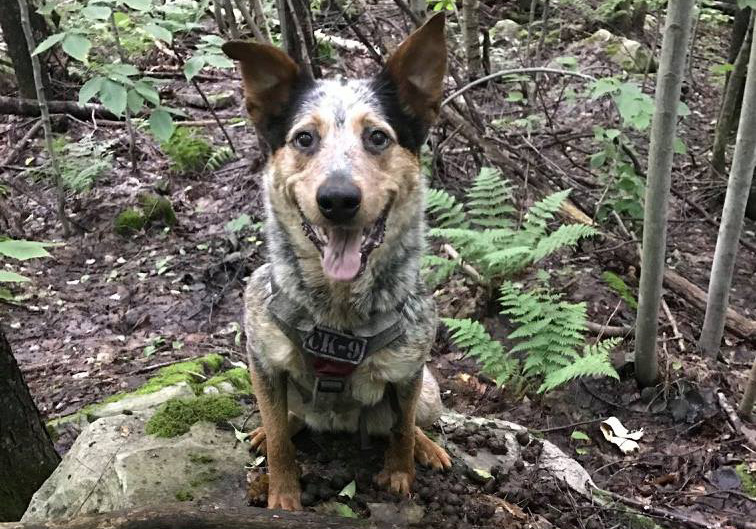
(377, 140)
(304, 140)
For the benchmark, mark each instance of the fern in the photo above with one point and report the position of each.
(485, 234)
(594, 363)
(436, 269)
(81, 162)
(219, 158)
(617, 284)
(471, 335)
(447, 211)
(550, 333)
(489, 200)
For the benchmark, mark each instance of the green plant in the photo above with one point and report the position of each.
(188, 151)
(439, 5)
(617, 284)
(549, 333)
(486, 235)
(129, 222)
(157, 209)
(20, 250)
(96, 32)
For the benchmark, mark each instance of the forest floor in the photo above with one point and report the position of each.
(104, 309)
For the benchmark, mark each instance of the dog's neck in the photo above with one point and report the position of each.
(392, 274)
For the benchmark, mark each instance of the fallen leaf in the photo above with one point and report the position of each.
(616, 433)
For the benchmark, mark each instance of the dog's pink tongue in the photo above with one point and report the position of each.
(342, 257)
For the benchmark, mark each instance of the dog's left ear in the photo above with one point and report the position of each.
(417, 68)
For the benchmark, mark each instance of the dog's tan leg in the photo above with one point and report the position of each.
(283, 491)
(399, 467)
(428, 453)
(257, 436)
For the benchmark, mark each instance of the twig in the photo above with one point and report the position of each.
(404, 7)
(21, 144)
(205, 100)
(360, 35)
(241, 4)
(665, 514)
(44, 111)
(734, 420)
(129, 125)
(469, 270)
(609, 331)
(566, 426)
(514, 71)
(673, 322)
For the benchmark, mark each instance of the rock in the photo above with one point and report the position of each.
(210, 390)
(551, 458)
(136, 403)
(114, 465)
(506, 29)
(628, 54)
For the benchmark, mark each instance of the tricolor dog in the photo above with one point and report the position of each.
(339, 325)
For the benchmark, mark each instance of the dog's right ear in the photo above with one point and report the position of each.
(268, 75)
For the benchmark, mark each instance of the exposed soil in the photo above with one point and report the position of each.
(80, 329)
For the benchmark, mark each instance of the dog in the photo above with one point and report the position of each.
(339, 326)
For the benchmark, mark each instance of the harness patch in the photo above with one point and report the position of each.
(333, 345)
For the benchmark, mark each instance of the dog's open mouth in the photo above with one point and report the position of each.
(344, 251)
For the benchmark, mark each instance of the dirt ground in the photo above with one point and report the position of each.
(80, 329)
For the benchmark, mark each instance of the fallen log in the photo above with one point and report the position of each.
(30, 107)
(181, 517)
(736, 322)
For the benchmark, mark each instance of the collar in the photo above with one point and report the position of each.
(330, 353)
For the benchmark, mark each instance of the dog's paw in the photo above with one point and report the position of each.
(428, 453)
(257, 440)
(396, 481)
(284, 494)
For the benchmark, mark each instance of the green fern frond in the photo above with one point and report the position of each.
(472, 336)
(566, 235)
(540, 213)
(447, 212)
(594, 363)
(220, 157)
(489, 201)
(437, 269)
(617, 284)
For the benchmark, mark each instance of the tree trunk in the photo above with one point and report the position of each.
(13, 35)
(738, 187)
(746, 405)
(260, 19)
(739, 28)
(27, 456)
(661, 150)
(730, 101)
(470, 33)
(193, 517)
(297, 34)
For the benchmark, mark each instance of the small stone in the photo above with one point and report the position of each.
(519, 465)
(308, 500)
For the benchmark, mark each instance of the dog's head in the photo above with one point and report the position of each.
(345, 155)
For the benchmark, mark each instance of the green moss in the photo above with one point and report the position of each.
(157, 209)
(237, 377)
(129, 222)
(174, 374)
(176, 416)
(184, 495)
(747, 480)
(187, 150)
(204, 477)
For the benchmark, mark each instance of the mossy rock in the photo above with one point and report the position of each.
(157, 209)
(177, 416)
(129, 222)
(238, 377)
(747, 480)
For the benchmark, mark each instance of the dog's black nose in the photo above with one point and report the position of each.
(338, 199)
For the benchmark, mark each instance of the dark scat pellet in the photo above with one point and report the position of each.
(449, 509)
(522, 437)
(325, 492)
(519, 464)
(453, 499)
(458, 488)
(490, 486)
(311, 489)
(486, 510)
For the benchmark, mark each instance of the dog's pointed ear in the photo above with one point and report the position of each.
(418, 66)
(268, 75)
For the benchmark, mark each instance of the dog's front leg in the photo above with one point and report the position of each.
(283, 490)
(399, 467)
